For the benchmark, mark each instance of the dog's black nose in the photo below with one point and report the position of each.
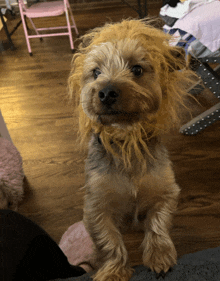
(108, 95)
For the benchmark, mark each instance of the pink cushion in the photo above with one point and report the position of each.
(77, 245)
(45, 9)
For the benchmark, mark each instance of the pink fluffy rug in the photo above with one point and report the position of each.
(11, 175)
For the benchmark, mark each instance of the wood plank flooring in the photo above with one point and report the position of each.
(34, 104)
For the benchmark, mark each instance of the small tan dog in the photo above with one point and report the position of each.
(128, 90)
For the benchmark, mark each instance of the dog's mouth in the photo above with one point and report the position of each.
(120, 117)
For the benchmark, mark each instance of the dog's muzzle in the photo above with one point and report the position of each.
(111, 111)
(109, 95)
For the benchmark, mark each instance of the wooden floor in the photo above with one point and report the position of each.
(34, 104)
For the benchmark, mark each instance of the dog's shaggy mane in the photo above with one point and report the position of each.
(169, 63)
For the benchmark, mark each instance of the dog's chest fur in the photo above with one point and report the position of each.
(127, 194)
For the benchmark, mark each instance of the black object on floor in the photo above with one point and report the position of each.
(199, 266)
(28, 253)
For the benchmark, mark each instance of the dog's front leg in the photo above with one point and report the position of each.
(111, 254)
(159, 251)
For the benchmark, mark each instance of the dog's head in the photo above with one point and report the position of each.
(126, 76)
(119, 83)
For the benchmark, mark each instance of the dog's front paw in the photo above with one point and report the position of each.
(160, 258)
(114, 274)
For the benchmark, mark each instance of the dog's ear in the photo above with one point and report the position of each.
(86, 41)
(74, 80)
(176, 59)
(88, 38)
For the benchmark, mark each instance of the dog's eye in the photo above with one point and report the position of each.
(137, 70)
(96, 73)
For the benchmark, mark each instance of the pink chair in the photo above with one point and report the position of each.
(47, 9)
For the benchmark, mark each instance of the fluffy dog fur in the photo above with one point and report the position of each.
(127, 88)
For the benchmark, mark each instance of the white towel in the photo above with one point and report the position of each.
(183, 9)
(204, 24)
